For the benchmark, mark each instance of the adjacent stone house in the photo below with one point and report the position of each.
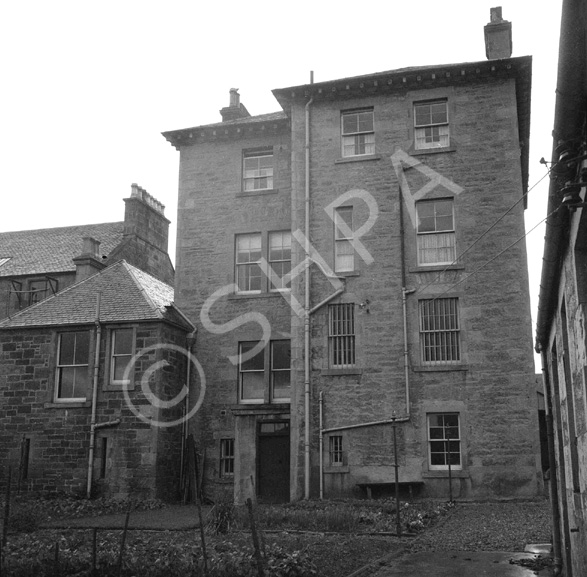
(560, 335)
(78, 375)
(35, 264)
(354, 266)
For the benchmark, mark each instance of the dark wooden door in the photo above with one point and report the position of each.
(273, 459)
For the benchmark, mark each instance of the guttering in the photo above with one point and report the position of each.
(307, 305)
(553, 483)
(568, 121)
(94, 396)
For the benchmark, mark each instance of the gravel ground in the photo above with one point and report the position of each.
(500, 526)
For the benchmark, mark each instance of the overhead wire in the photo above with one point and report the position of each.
(496, 256)
(457, 258)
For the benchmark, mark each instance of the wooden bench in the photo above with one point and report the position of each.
(369, 487)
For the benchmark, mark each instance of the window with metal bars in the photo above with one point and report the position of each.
(341, 335)
(439, 331)
(335, 450)
(226, 458)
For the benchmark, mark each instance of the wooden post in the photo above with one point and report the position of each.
(56, 561)
(398, 524)
(258, 557)
(123, 540)
(94, 550)
(192, 457)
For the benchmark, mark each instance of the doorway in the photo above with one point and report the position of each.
(273, 462)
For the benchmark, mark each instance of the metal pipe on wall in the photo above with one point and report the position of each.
(307, 304)
(94, 396)
(553, 484)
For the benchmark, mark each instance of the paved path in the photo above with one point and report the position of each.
(458, 564)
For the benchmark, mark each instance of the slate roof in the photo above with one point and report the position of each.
(50, 250)
(128, 294)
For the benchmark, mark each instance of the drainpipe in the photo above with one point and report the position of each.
(94, 396)
(553, 484)
(405, 292)
(189, 343)
(307, 308)
(321, 450)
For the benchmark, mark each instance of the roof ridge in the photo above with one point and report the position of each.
(60, 228)
(131, 270)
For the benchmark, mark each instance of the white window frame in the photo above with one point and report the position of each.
(226, 458)
(341, 336)
(242, 263)
(454, 441)
(81, 367)
(440, 338)
(257, 177)
(283, 263)
(352, 141)
(440, 242)
(273, 397)
(244, 371)
(114, 356)
(343, 240)
(434, 132)
(335, 451)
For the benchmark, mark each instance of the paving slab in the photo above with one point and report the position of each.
(460, 564)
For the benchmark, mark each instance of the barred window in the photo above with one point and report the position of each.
(436, 232)
(226, 458)
(439, 331)
(444, 440)
(358, 136)
(431, 125)
(335, 450)
(341, 335)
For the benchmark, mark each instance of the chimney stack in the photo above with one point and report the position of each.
(498, 36)
(235, 109)
(89, 262)
(144, 218)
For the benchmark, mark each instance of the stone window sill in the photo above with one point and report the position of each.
(330, 469)
(357, 158)
(443, 474)
(247, 193)
(436, 267)
(261, 295)
(340, 372)
(439, 368)
(72, 405)
(424, 151)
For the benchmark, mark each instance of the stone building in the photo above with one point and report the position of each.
(560, 335)
(74, 404)
(77, 313)
(35, 264)
(353, 263)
